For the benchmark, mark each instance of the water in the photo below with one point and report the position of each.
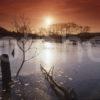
(77, 66)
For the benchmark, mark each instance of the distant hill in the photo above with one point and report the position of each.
(4, 32)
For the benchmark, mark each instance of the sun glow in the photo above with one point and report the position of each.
(48, 21)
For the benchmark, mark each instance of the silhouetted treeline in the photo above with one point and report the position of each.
(85, 36)
(74, 37)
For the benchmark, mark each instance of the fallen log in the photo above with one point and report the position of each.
(62, 92)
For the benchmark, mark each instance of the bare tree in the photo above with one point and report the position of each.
(22, 25)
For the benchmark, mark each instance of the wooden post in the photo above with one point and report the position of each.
(6, 72)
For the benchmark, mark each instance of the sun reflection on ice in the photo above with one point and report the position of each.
(48, 55)
(48, 45)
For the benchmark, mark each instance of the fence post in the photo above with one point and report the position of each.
(6, 72)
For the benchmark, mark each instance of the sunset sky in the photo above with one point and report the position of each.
(84, 12)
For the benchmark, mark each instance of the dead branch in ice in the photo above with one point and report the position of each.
(61, 91)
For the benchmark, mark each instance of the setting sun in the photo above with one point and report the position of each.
(48, 21)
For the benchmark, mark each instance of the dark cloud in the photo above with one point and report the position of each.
(80, 11)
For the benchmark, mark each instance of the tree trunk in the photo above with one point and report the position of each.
(23, 61)
(6, 72)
